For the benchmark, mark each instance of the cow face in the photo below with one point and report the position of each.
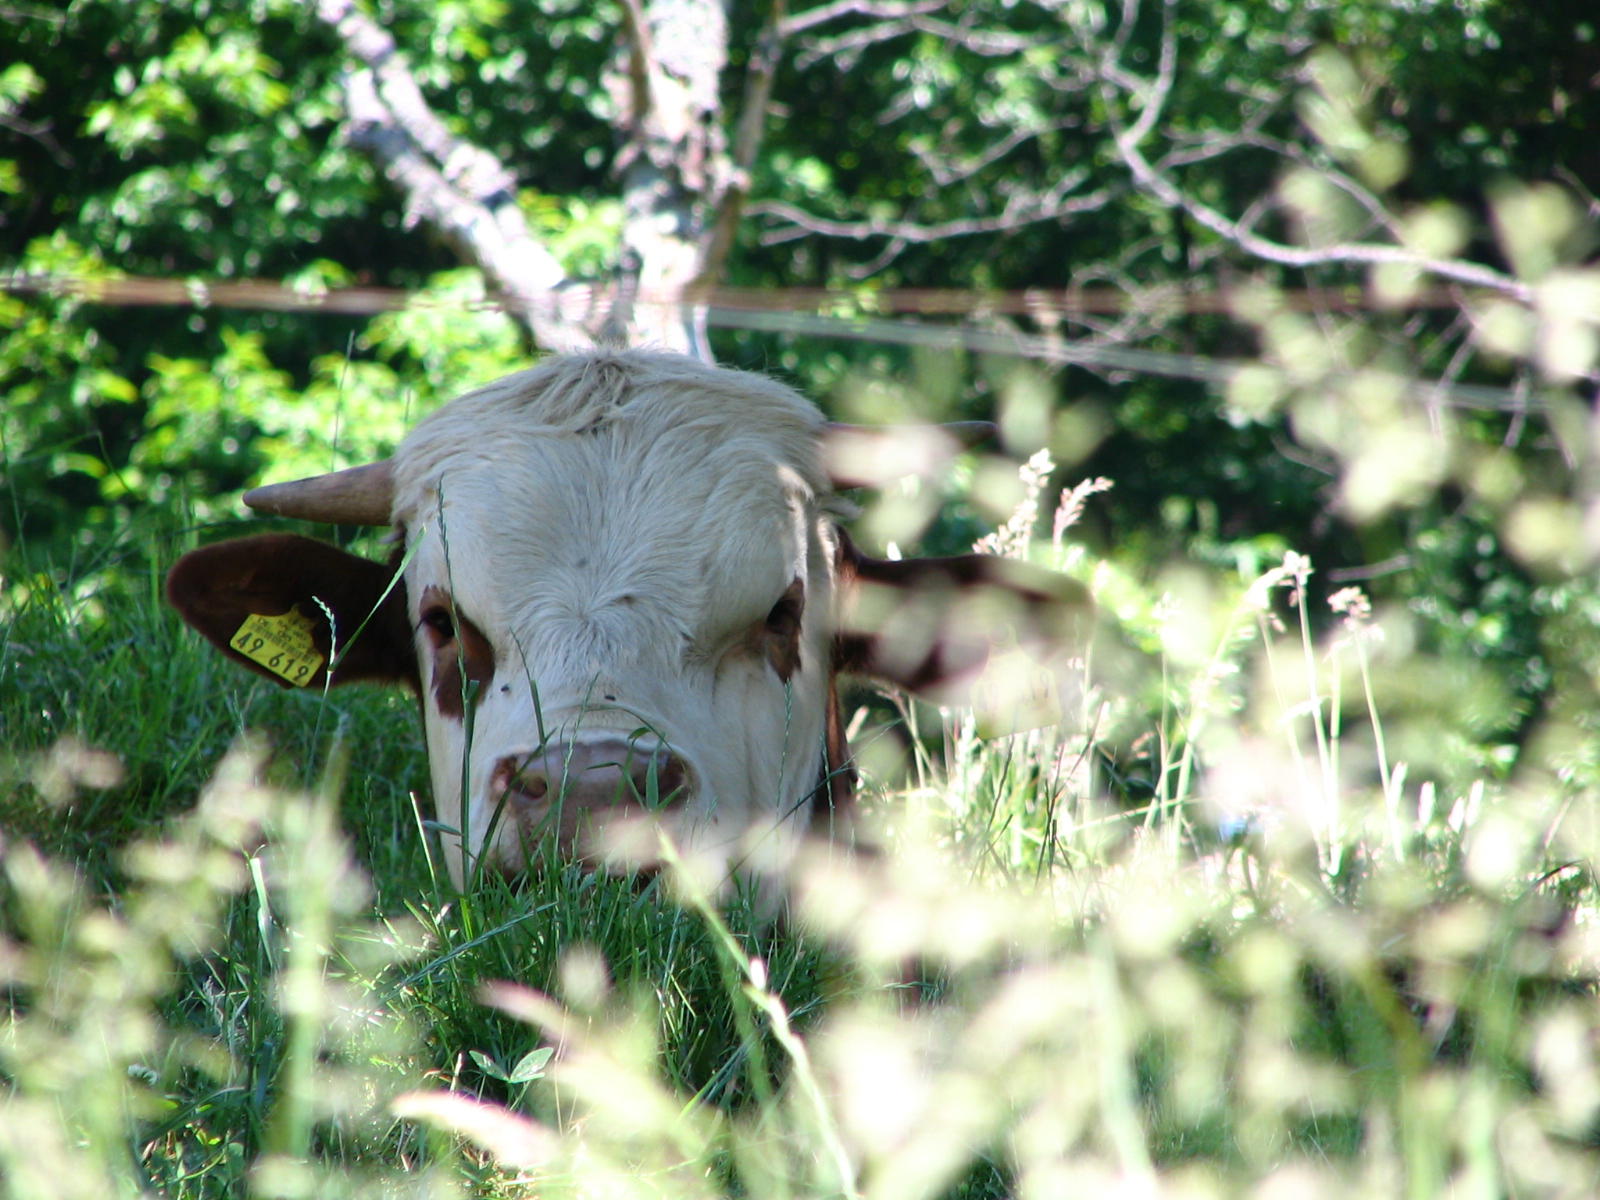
(620, 594)
(620, 582)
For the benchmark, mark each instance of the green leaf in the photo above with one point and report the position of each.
(531, 1065)
(488, 1065)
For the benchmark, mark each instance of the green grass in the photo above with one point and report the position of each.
(227, 967)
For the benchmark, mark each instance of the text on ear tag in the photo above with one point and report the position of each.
(1015, 693)
(282, 645)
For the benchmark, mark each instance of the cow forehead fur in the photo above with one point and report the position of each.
(648, 396)
(629, 480)
(609, 521)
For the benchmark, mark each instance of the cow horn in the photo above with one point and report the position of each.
(358, 496)
(872, 456)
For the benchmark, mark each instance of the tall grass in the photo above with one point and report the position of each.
(1224, 946)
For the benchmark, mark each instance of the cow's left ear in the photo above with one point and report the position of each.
(937, 625)
(291, 608)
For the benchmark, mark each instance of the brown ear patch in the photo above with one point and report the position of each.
(217, 589)
(833, 802)
(923, 622)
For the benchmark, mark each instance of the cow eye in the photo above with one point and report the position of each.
(439, 622)
(782, 642)
(783, 621)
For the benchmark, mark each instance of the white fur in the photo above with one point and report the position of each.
(545, 499)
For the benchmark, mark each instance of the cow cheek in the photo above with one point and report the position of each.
(447, 746)
(762, 722)
(462, 670)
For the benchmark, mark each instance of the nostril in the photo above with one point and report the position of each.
(667, 773)
(591, 776)
(674, 777)
(520, 778)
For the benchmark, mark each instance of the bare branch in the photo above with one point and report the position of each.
(1153, 98)
(374, 48)
(494, 236)
(892, 250)
(758, 90)
(881, 10)
(40, 132)
(1124, 30)
(1375, 209)
(946, 173)
(11, 109)
(1157, 182)
(1024, 210)
(989, 43)
(1367, 253)
(846, 47)
(893, 21)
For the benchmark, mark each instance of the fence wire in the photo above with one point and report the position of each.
(890, 316)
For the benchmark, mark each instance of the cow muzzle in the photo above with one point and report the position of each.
(587, 794)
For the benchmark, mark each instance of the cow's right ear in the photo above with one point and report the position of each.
(1005, 637)
(291, 608)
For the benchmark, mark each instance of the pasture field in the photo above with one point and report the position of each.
(1217, 935)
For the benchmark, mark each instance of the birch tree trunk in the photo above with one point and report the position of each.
(678, 183)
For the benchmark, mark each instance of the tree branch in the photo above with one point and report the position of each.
(1366, 253)
(946, 173)
(1022, 211)
(1152, 96)
(878, 9)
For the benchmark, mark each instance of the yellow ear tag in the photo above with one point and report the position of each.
(282, 645)
(1016, 693)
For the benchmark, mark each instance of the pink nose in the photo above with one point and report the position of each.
(571, 789)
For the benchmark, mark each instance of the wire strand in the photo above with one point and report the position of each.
(861, 315)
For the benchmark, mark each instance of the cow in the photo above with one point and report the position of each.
(621, 590)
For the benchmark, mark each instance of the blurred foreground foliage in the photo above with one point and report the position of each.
(1301, 902)
(1294, 971)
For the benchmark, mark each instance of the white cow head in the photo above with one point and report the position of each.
(622, 598)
